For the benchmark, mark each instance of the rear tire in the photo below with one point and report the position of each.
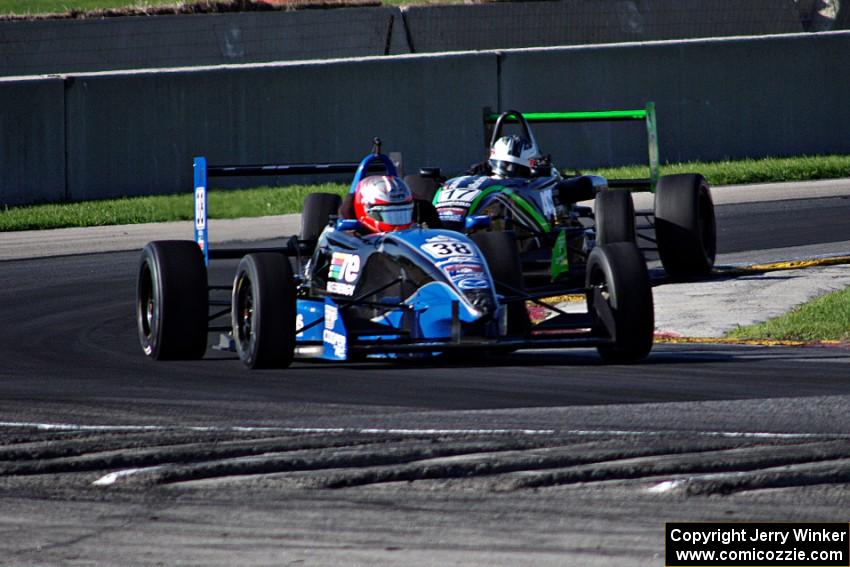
(502, 255)
(423, 188)
(425, 214)
(172, 300)
(318, 208)
(615, 217)
(263, 311)
(685, 226)
(619, 298)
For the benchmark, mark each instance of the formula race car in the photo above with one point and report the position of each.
(521, 191)
(375, 283)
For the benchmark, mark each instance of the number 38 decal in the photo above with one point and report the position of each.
(448, 248)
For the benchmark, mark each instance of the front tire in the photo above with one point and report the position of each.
(685, 226)
(172, 300)
(263, 311)
(423, 188)
(619, 298)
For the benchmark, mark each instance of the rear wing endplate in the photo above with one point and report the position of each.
(646, 114)
(202, 172)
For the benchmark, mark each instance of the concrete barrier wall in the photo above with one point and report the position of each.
(32, 141)
(716, 99)
(579, 22)
(135, 133)
(71, 46)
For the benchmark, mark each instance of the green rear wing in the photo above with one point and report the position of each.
(646, 114)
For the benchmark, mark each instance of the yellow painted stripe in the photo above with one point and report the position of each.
(666, 339)
(788, 265)
(573, 298)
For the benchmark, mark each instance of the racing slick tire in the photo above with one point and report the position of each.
(685, 225)
(502, 256)
(619, 298)
(424, 189)
(318, 208)
(172, 300)
(263, 311)
(615, 217)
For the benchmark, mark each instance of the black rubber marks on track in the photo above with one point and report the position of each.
(662, 462)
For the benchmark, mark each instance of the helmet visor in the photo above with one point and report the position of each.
(395, 215)
(509, 169)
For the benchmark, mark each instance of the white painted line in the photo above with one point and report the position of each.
(666, 486)
(404, 431)
(460, 431)
(114, 477)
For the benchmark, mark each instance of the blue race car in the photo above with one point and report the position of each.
(370, 276)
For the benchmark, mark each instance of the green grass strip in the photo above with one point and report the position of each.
(223, 204)
(283, 200)
(826, 318)
(33, 7)
(23, 7)
(768, 170)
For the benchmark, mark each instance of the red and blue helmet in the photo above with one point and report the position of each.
(383, 203)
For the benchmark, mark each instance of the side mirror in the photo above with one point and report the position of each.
(477, 222)
(584, 188)
(431, 172)
(348, 224)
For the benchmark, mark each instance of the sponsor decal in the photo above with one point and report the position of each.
(331, 315)
(473, 283)
(335, 341)
(441, 238)
(463, 269)
(466, 275)
(447, 247)
(451, 214)
(341, 288)
(460, 193)
(344, 267)
(333, 334)
(200, 207)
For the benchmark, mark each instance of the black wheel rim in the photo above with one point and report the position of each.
(598, 292)
(147, 305)
(245, 311)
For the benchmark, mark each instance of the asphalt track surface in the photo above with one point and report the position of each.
(544, 458)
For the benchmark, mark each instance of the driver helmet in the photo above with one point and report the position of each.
(383, 203)
(513, 156)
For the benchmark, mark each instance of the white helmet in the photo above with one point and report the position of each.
(513, 156)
